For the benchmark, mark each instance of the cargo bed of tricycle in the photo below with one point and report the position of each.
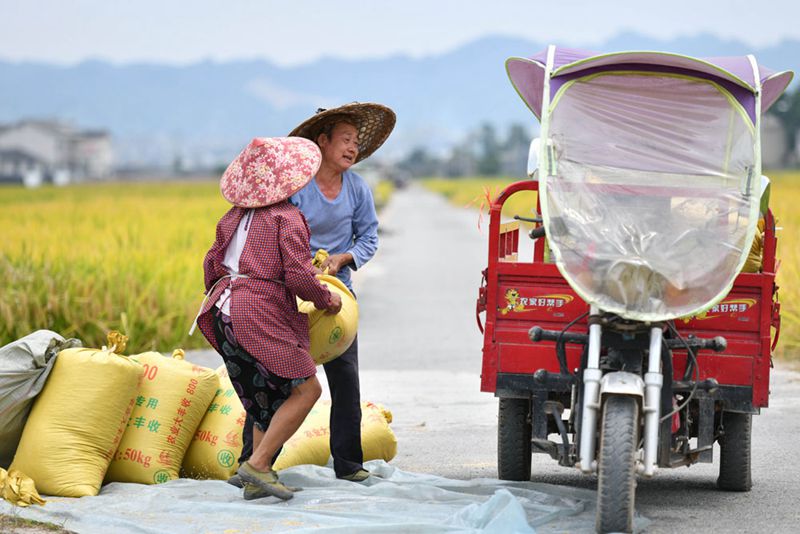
(517, 295)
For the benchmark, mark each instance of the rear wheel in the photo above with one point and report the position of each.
(616, 483)
(514, 439)
(734, 460)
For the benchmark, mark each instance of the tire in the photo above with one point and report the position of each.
(734, 460)
(616, 483)
(514, 439)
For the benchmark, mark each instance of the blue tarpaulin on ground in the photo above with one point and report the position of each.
(399, 501)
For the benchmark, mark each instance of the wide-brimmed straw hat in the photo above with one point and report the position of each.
(269, 170)
(374, 123)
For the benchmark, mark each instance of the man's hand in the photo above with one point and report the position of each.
(335, 305)
(335, 262)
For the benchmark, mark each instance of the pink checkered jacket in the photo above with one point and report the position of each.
(276, 260)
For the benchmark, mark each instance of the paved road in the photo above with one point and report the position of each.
(420, 356)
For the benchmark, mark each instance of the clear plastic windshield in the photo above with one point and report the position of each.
(650, 196)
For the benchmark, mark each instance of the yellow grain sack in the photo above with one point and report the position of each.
(78, 419)
(311, 443)
(377, 439)
(756, 256)
(331, 335)
(171, 401)
(217, 443)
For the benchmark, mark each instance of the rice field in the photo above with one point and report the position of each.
(784, 202)
(86, 259)
(83, 260)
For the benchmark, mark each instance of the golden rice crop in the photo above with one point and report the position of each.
(784, 200)
(382, 193)
(478, 193)
(84, 260)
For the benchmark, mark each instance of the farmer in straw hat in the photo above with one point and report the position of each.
(340, 211)
(256, 268)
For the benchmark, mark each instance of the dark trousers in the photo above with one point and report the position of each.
(345, 422)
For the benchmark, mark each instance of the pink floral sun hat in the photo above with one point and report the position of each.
(269, 170)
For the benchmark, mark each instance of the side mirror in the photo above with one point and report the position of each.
(533, 158)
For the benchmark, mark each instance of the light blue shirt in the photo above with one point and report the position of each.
(346, 224)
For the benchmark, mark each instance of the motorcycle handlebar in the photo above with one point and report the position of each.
(717, 344)
(537, 333)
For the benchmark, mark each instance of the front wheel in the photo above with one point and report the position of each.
(734, 460)
(616, 482)
(514, 439)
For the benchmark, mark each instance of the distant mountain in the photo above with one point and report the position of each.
(205, 112)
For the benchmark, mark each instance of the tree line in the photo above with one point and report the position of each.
(487, 152)
(483, 152)
(787, 110)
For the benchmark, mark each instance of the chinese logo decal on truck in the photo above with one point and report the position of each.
(517, 303)
(725, 308)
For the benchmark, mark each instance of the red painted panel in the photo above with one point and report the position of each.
(529, 358)
(739, 311)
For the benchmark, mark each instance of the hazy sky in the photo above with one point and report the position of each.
(297, 31)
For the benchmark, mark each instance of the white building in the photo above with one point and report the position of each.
(33, 152)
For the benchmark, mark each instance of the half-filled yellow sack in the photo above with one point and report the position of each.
(311, 443)
(170, 404)
(217, 443)
(78, 420)
(331, 335)
(18, 489)
(755, 258)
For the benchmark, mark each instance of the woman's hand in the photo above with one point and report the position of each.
(335, 305)
(335, 262)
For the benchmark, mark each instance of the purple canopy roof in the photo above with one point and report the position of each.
(735, 73)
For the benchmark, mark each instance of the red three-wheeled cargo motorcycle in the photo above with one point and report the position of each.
(640, 331)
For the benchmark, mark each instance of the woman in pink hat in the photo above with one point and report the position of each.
(257, 266)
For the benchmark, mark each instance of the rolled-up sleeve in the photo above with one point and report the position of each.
(299, 274)
(365, 229)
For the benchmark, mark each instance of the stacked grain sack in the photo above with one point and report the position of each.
(311, 443)
(24, 367)
(217, 444)
(147, 418)
(78, 419)
(172, 400)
